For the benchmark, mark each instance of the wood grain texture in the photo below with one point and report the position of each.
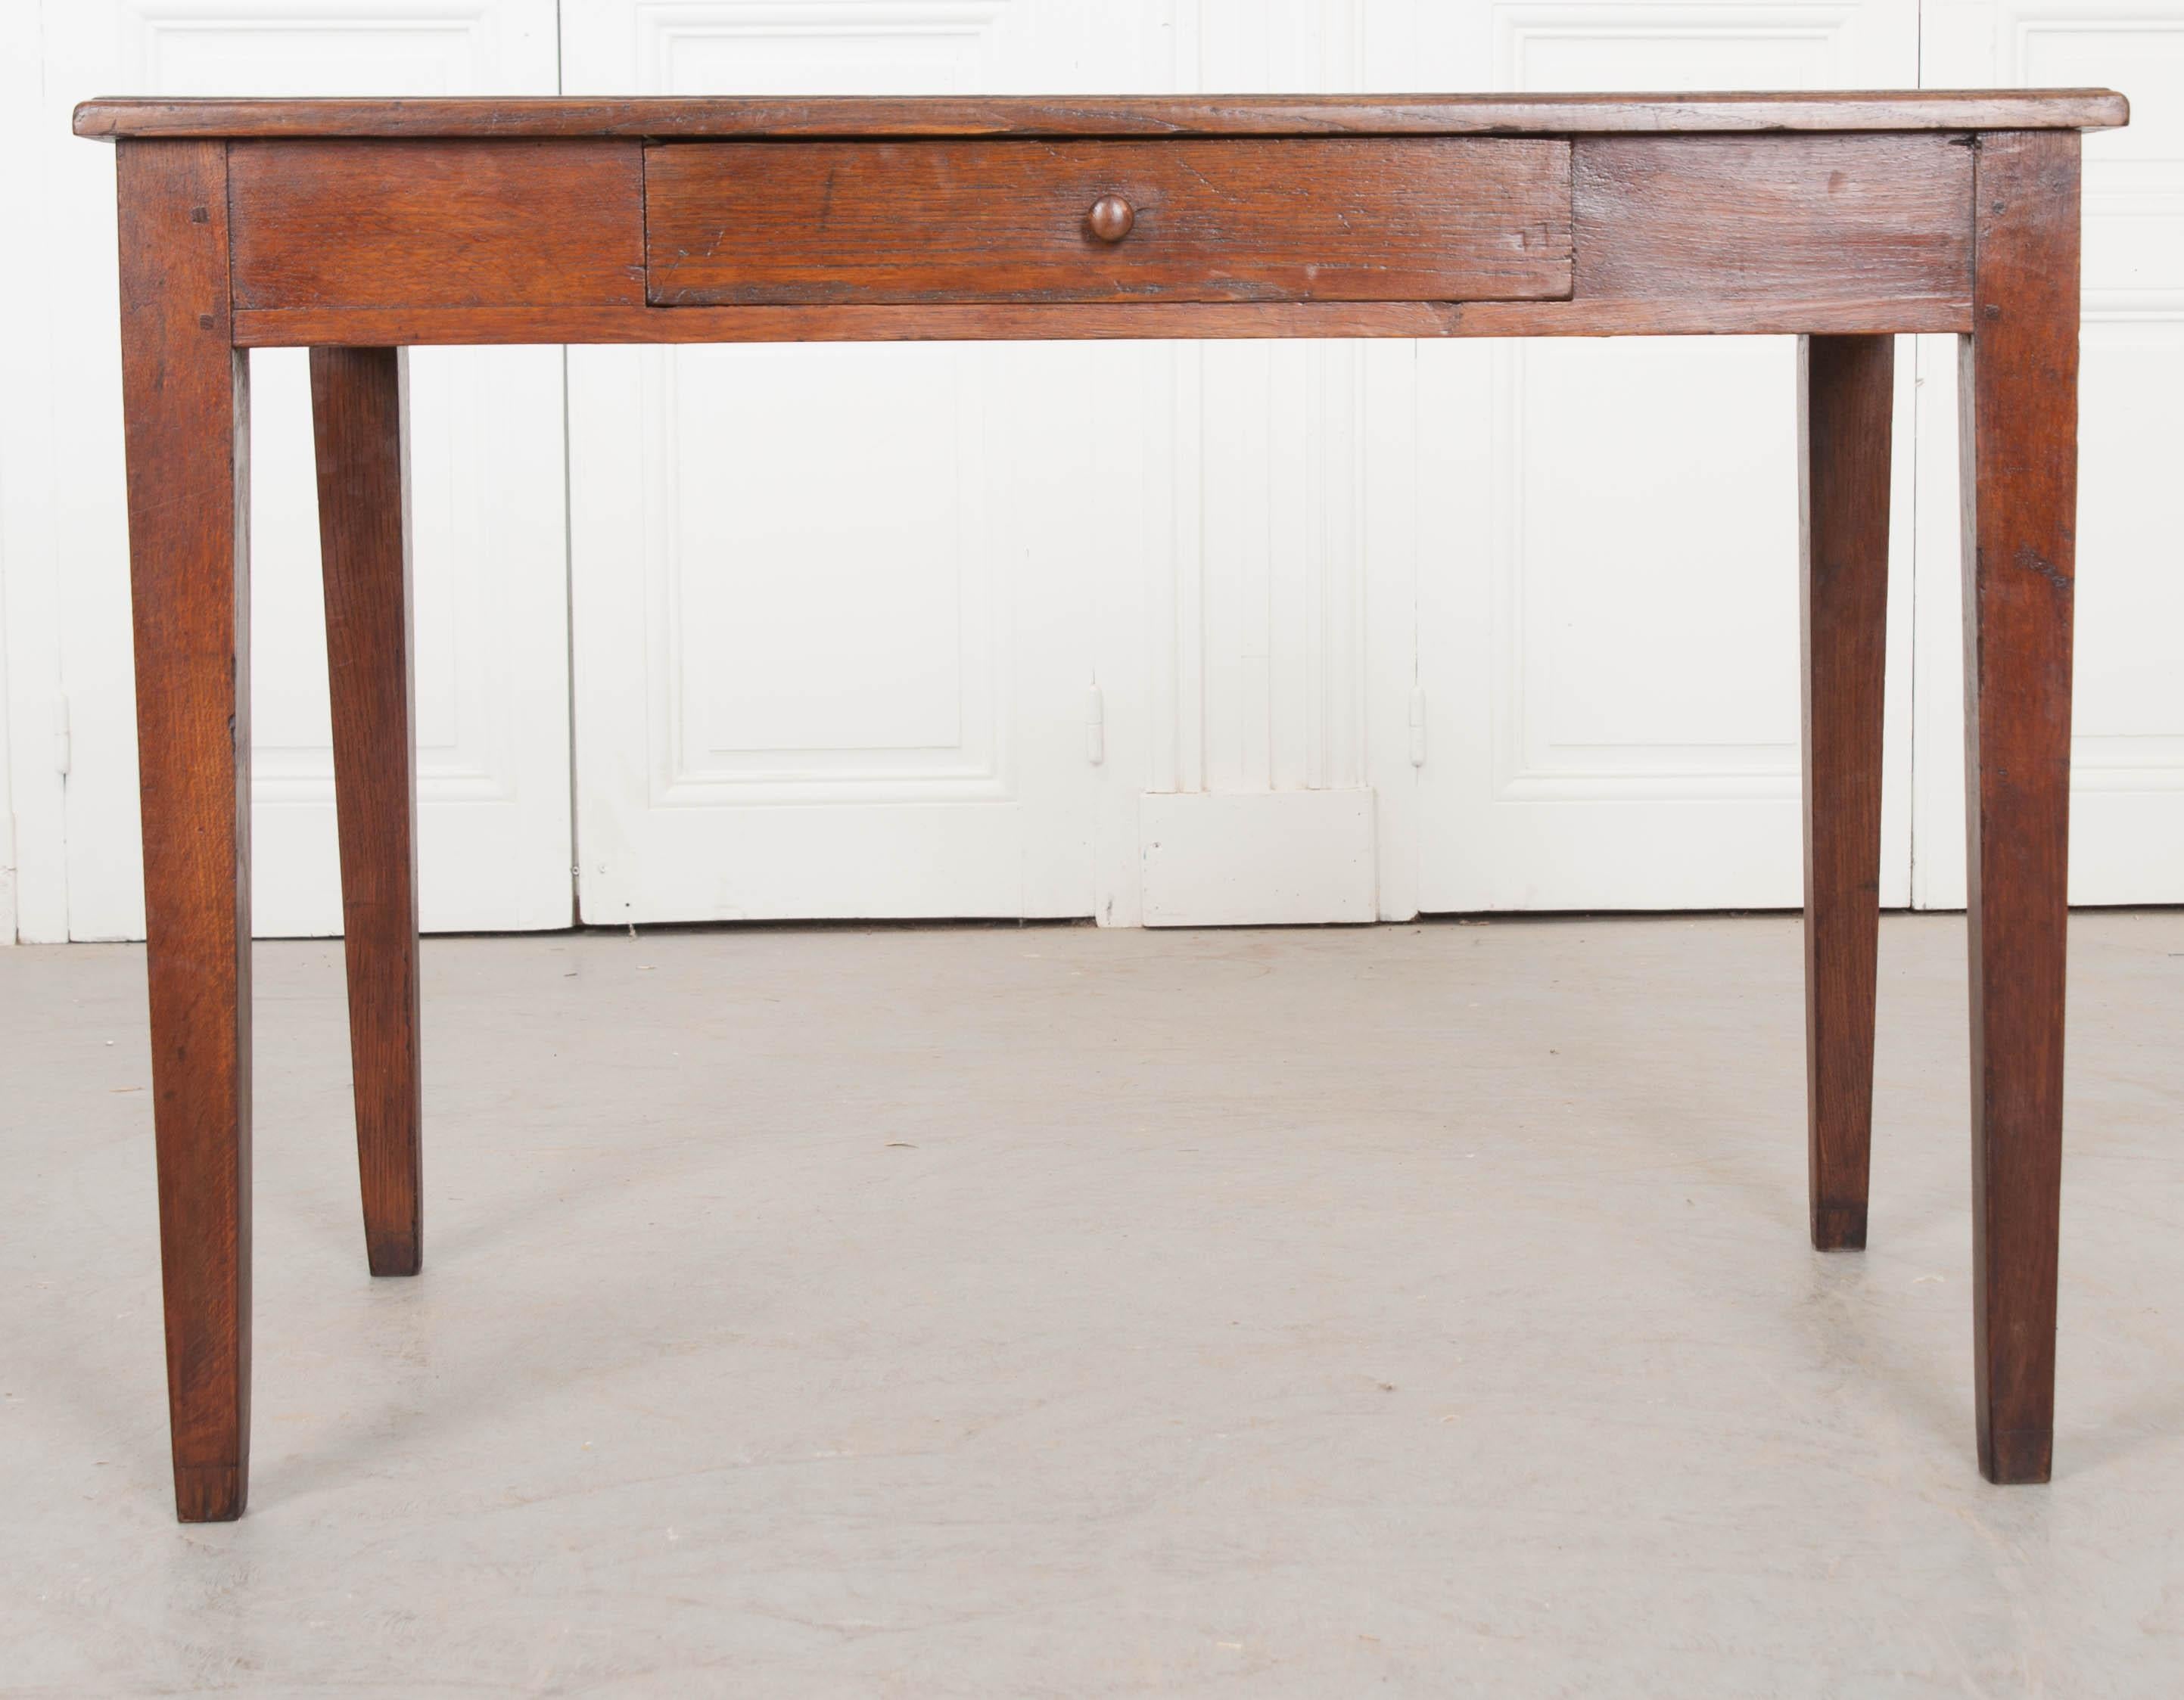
(425, 224)
(780, 224)
(1014, 322)
(362, 246)
(184, 390)
(853, 116)
(1847, 401)
(2018, 392)
(1851, 218)
(359, 414)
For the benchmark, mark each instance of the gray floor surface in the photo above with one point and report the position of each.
(1054, 1311)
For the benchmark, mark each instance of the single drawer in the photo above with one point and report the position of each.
(1261, 218)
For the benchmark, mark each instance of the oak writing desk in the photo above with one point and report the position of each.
(356, 228)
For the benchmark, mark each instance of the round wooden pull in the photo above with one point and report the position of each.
(1110, 218)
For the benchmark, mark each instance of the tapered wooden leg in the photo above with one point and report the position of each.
(1846, 394)
(359, 399)
(2019, 389)
(185, 393)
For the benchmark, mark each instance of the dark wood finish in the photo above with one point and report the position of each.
(360, 407)
(527, 221)
(1007, 321)
(1842, 235)
(1111, 218)
(2019, 393)
(1846, 403)
(438, 223)
(184, 390)
(1879, 219)
(852, 116)
(1427, 218)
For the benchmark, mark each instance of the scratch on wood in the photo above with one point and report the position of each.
(2032, 561)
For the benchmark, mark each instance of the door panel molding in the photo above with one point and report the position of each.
(2127, 747)
(492, 599)
(1607, 631)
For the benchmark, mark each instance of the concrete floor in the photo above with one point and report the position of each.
(1028, 1312)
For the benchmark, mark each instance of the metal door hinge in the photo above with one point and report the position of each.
(1417, 727)
(1095, 727)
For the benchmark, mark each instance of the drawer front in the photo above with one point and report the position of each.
(1276, 219)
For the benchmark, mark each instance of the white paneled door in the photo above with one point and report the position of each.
(1608, 604)
(487, 461)
(1161, 633)
(847, 618)
(837, 615)
(1012, 631)
(2127, 718)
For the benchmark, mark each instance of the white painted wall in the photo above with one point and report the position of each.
(1374, 627)
(19, 61)
(7, 816)
(29, 789)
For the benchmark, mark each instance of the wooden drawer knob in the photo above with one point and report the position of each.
(1110, 218)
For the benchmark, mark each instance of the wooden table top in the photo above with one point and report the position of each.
(1037, 115)
(360, 229)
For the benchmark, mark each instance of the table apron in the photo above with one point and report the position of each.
(375, 242)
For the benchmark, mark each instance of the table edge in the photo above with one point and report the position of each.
(110, 118)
